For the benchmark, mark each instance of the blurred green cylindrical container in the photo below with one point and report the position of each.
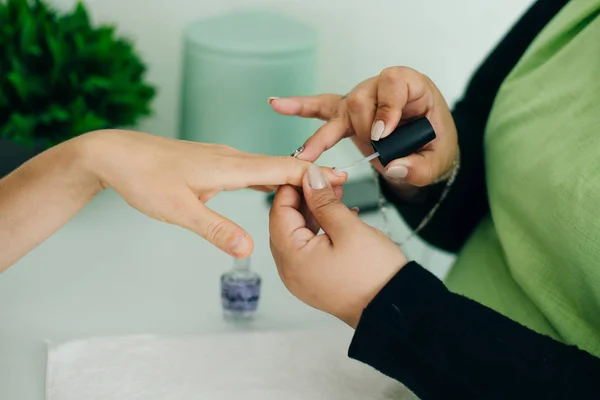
(232, 64)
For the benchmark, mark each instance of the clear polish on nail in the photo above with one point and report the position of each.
(273, 98)
(316, 179)
(240, 245)
(339, 172)
(397, 172)
(377, 130)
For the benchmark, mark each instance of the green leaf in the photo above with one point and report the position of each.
(96, 82)
(28, 34)
(61, 76)
(18, 84)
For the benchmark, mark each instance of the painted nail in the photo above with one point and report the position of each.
(316, 179)
(240, 245)
(377, 130)
(339, 172)
(397, 172)
(273, 98)
(297, 152)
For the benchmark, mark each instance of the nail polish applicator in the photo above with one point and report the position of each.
(405, 140)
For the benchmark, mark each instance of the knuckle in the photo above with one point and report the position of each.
(392, 73)
(323, 202)
(398, 74)
(216, 231)
(290, 163)
(357, 100)
(221, 148)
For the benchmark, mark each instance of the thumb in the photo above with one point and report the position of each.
(329, 212)
(218, 230)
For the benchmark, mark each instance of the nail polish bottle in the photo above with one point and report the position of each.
(240, 290)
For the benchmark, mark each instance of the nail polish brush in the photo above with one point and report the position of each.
(405, 140)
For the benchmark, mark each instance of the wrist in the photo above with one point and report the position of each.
(76, 156)
(97, 155)
(352, 312)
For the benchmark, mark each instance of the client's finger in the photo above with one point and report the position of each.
(274, 171)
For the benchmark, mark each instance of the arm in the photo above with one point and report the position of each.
(166, 179)
(442, 345)
(41, 196)
(467, 202)
(408, 325)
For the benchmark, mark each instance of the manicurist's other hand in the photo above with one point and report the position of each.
(340, 271)
(371, 111)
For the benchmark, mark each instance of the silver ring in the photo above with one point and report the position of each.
(297, 152)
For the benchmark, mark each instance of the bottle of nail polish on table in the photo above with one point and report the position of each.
(240, 290)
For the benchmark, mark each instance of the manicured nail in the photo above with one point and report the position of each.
(273, 98)
(316, 179)
(377, 130)
(356, 209)
(397, 172)
(240, 245)
(297, 152)
(339, 172)
(271, 188)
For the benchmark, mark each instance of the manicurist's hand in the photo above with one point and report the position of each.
(340, 271)
(371, 111)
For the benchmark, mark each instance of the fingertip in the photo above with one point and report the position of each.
(398, 170)
(311, 152)
(241, 245)
(377, 129)
(336, 177)
(286, 106)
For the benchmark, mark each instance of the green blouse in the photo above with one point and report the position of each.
(536, 258)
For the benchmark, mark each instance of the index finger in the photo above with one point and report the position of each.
(287, 226)
(322, 106)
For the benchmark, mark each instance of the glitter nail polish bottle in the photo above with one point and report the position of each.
(240, 290)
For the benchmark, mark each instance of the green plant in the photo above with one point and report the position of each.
(60, 76)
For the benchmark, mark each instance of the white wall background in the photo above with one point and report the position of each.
(442, 38)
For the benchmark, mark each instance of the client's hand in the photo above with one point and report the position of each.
(171, 180)
(371, 111)
(338, 272)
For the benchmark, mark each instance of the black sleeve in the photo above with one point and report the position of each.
(467, 202)
(444, 346)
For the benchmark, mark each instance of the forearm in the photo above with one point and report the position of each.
(442, 345)
(38, 198)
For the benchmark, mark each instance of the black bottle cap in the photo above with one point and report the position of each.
(405, 140)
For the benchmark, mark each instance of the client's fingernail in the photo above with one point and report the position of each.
(339, 172)
(377, 130)
(240, 245)
(271, 188)
(297, 152)
(356, 209)
(316, 179)
(273, 98)
(397, 172)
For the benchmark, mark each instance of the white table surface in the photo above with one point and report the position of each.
(113, 271)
